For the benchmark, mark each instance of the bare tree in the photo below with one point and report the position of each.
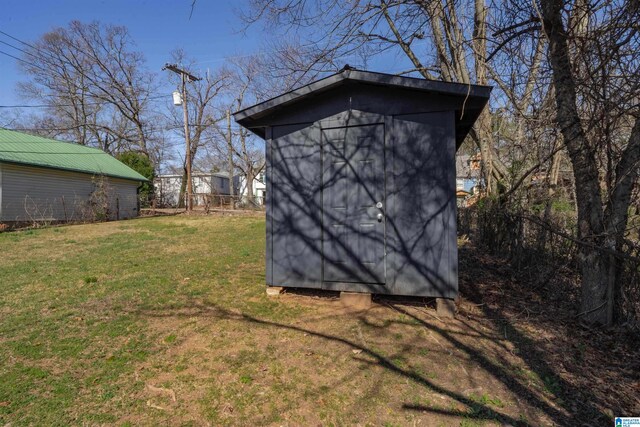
(439, 39)
(597, 112)
(591, 72)
(96, 87)
(243, 151)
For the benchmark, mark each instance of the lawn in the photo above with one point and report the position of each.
(165, 321)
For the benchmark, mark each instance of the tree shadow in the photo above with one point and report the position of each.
(417, 240)
(579, 404)
(316, 240)
(368, 356)
(558, 412)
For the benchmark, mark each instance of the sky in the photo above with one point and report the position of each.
(213, 32)
(209, 35)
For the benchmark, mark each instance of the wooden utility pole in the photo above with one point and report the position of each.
(187, 138)
(185, 77)
(230, 148)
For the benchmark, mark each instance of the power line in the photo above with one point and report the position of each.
(44, 58)
(22, 60)
(40, 51)
(48, 129)
(18, 40)
(18, 49)
(37, 106)
(33, 106)
(126, 138)
(22, 50)
(151, 98)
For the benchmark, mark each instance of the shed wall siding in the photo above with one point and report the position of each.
(422, 256)
(127, 198)
(295, 207)
(420, 206)
(40, 194)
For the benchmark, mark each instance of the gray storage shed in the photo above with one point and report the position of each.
(361, 182)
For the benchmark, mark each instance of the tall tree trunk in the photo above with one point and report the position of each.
(494, 171)
(617, 211)
(250, 196)
(597, 298)
(485, 143)
(183, 188)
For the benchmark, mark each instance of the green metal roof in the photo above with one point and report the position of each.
(22, 148)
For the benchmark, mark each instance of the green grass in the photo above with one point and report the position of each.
(71, 331)
(163, 321)
(485, 399)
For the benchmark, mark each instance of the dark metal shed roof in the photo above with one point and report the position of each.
(468, 95)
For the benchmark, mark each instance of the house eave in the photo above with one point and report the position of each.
(250, 116)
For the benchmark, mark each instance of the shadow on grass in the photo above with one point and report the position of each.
(557, 401)
(477, 411)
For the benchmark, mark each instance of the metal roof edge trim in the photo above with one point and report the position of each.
(453, 88)
(35, 165)
(289, 96)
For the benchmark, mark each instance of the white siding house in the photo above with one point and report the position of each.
(47, 180)
(167, 187)
(259, 188)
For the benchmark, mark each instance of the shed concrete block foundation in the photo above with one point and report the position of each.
(274, 290)
(355, 300)
(446, 307)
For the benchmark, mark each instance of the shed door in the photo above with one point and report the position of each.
(353, 204)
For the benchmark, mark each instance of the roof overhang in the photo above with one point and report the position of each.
(467, 94)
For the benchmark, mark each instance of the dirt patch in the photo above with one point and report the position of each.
(335, 367)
